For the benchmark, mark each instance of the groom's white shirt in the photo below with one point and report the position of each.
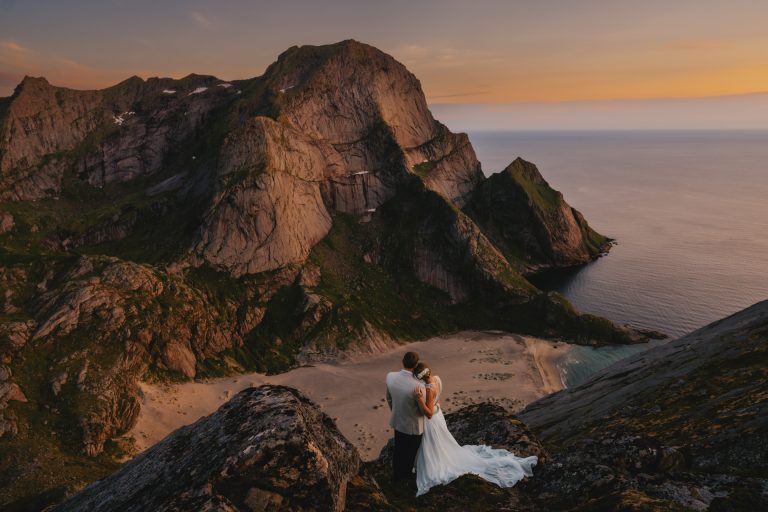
(406, 415)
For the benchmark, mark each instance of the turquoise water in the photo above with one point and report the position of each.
(689, 211)
(579, 362)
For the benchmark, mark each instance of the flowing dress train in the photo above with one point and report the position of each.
(441, 459)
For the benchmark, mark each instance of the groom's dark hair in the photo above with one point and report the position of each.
(410, 359)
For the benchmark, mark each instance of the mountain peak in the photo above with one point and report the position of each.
(300, 62)
(527, 170)
(32, 83)
(34, 80)
(345, 46)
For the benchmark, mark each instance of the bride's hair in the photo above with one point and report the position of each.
(422, 371)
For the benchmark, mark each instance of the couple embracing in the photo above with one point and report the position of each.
(423, 442)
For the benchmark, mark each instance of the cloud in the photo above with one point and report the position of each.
(15, 57)
(14, 46)
(200, 19)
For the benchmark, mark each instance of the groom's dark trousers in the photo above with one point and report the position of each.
(406, 447)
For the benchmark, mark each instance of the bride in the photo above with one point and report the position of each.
(441, 460)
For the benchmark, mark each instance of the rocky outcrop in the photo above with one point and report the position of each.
(531, 222)
(143, 319)
(685, 422)
(13, 337)
(268, 448)
(448, 165)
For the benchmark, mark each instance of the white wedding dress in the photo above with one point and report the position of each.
(441, 460)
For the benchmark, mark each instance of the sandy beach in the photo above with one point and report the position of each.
(504, 368)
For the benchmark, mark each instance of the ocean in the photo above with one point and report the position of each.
(689, 212)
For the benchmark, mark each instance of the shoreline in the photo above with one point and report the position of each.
(476, 366)
(545, 353)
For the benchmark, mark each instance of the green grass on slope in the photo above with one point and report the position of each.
(594, 241)
(424, 168)
(543, 196)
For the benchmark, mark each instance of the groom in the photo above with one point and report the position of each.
(407, 419)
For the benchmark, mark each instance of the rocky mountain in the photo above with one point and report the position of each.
(170, 229)
(681, 427)
(531, 222)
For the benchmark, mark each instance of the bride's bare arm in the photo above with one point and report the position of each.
(428, 406)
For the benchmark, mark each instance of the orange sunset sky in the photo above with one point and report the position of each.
(496, 57)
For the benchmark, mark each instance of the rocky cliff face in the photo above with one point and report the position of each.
(343, 132)
(531, 222)
(321, 85)
(269, 212)
(40, 121)
(176, 229)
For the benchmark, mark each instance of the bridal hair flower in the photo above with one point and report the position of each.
(422, 373)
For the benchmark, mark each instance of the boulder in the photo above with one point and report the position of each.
(268, 448)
